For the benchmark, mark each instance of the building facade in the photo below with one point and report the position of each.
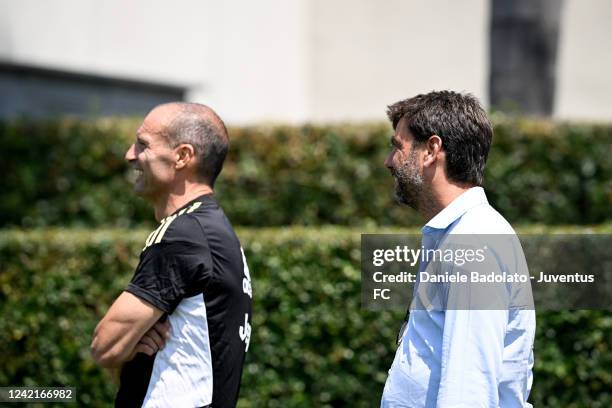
(277, 60)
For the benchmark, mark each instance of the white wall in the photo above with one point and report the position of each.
(137, 39)
(258, 60)
(301, 60)
(368, 54)
(584, 76)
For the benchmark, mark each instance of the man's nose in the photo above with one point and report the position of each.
(389, 161)
(130, 155)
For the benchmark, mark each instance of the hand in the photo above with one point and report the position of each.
(153, 340)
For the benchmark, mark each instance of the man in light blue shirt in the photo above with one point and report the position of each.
(456, 356)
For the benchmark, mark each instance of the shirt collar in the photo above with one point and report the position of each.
(469, 199)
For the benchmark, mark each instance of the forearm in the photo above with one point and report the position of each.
(117, 335)
(110, 350)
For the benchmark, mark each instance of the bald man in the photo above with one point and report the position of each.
(182, 327)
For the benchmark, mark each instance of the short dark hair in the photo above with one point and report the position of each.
(201, 127)
(459, 120)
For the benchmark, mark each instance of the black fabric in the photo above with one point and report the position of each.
(196, 253)
(137, 373)
(169, 272)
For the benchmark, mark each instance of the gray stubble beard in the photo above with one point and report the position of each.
(409, 183)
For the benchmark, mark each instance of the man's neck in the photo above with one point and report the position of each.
(173, 201)
(438, 199)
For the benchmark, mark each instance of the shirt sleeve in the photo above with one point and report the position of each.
(169, 272)
(471, 358)
(475, 323)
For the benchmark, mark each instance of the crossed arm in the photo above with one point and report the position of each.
(130, 326)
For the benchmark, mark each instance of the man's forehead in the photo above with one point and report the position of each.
(159, 118)
(402, 132)
(148, 126)
(160, 114)
(142, 130)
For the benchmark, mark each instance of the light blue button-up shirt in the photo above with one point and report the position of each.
(463, 358)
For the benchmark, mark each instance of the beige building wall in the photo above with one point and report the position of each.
(368, 54)
(136, 39)
(301, 60)
(584, 76)
(258, 58)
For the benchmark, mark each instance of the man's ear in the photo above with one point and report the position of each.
(185, 153)
(433, 148)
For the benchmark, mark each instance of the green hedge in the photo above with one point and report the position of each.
(71, 173)
(312, 344)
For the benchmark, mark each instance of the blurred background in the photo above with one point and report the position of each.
(303, 60)
(303, 86)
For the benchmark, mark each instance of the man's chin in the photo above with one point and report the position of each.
(148, 194)
(402, 198)
(139, 190)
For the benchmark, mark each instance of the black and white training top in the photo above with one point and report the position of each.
(193, 268)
